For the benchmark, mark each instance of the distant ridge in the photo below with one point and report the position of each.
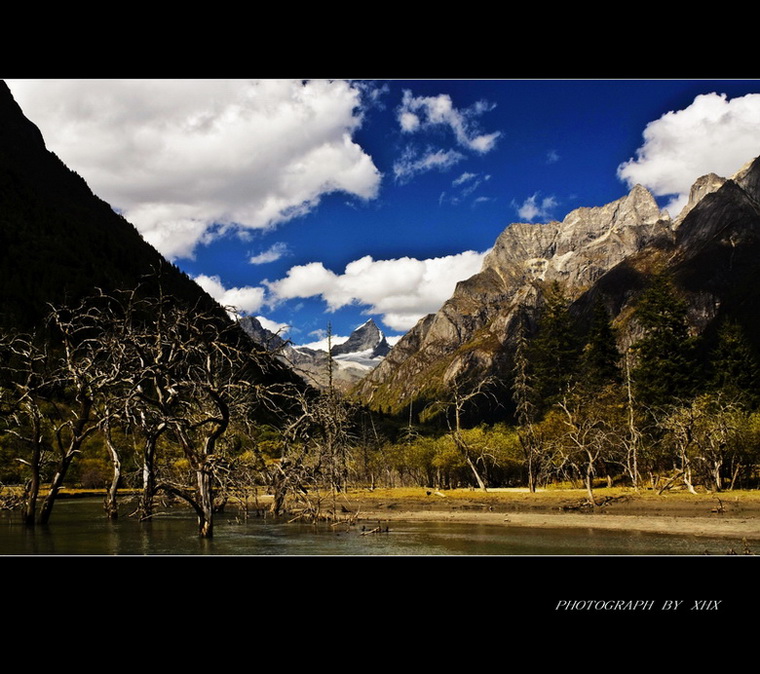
(351, 361)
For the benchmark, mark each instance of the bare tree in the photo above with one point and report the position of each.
(173, 376)
(590, 436)
(81, 376)
(56, 383)
(317, 452)
(704, 435)
(632, 439)
(193, 374)
(26, 388)
(523, 393)
(460, 397)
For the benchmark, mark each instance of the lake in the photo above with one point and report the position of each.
(78, 527)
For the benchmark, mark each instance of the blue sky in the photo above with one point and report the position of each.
(308, 202)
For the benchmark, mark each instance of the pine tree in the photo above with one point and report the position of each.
(600, 361)
(665, 369)
(554, 351)
(733, 367)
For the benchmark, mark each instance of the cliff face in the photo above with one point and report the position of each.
(716, 260)
(604, 253)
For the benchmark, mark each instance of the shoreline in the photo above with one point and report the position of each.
(729, 527)
(733, 514)
(729, 515)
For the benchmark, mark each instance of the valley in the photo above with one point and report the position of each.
(606, 365)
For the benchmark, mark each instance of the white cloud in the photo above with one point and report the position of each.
(401, 290)
(321, 344)
(552, 157)
(464, 178)
(413, 162)
(177, 156)
(280, 329)
(532, 209)
(465, 185)
(712, 135)
(408, 120)
(418, 114)
(421, 112)
(245, 300)
(272, 254)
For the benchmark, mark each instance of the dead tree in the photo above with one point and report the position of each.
(453, 408)
(82, 374)
(704, 435)
(523, 394)
(26, 383)
(590, 433)
(316, 453)
(193, 374)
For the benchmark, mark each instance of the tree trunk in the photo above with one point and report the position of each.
(475, 472)
(527, 442)
(79, 430)
(149, 477)
(717, 466)
(734, 475)
(112, 511)
(531, 475)
(205, 508)
(30, 507)
(590, 482)
(687, 481)
(55, 487)
(633, 434)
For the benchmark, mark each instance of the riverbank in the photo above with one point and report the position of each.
(733, 514)
(730, 514)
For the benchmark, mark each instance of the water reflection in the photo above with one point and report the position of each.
(79, 528)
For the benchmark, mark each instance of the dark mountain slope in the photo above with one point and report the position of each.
(713, 261)
(58, 241)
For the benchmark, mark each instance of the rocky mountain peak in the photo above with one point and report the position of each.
(748, 178)
(636, 208)
(367, 337)
(351, 361)
(581, 247)
(266, 338)
(474, 331)
(706, 184)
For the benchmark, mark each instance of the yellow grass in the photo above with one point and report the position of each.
(549, 496)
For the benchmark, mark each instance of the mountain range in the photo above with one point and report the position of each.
(59, 242)
(351, 360)
(602, 255)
